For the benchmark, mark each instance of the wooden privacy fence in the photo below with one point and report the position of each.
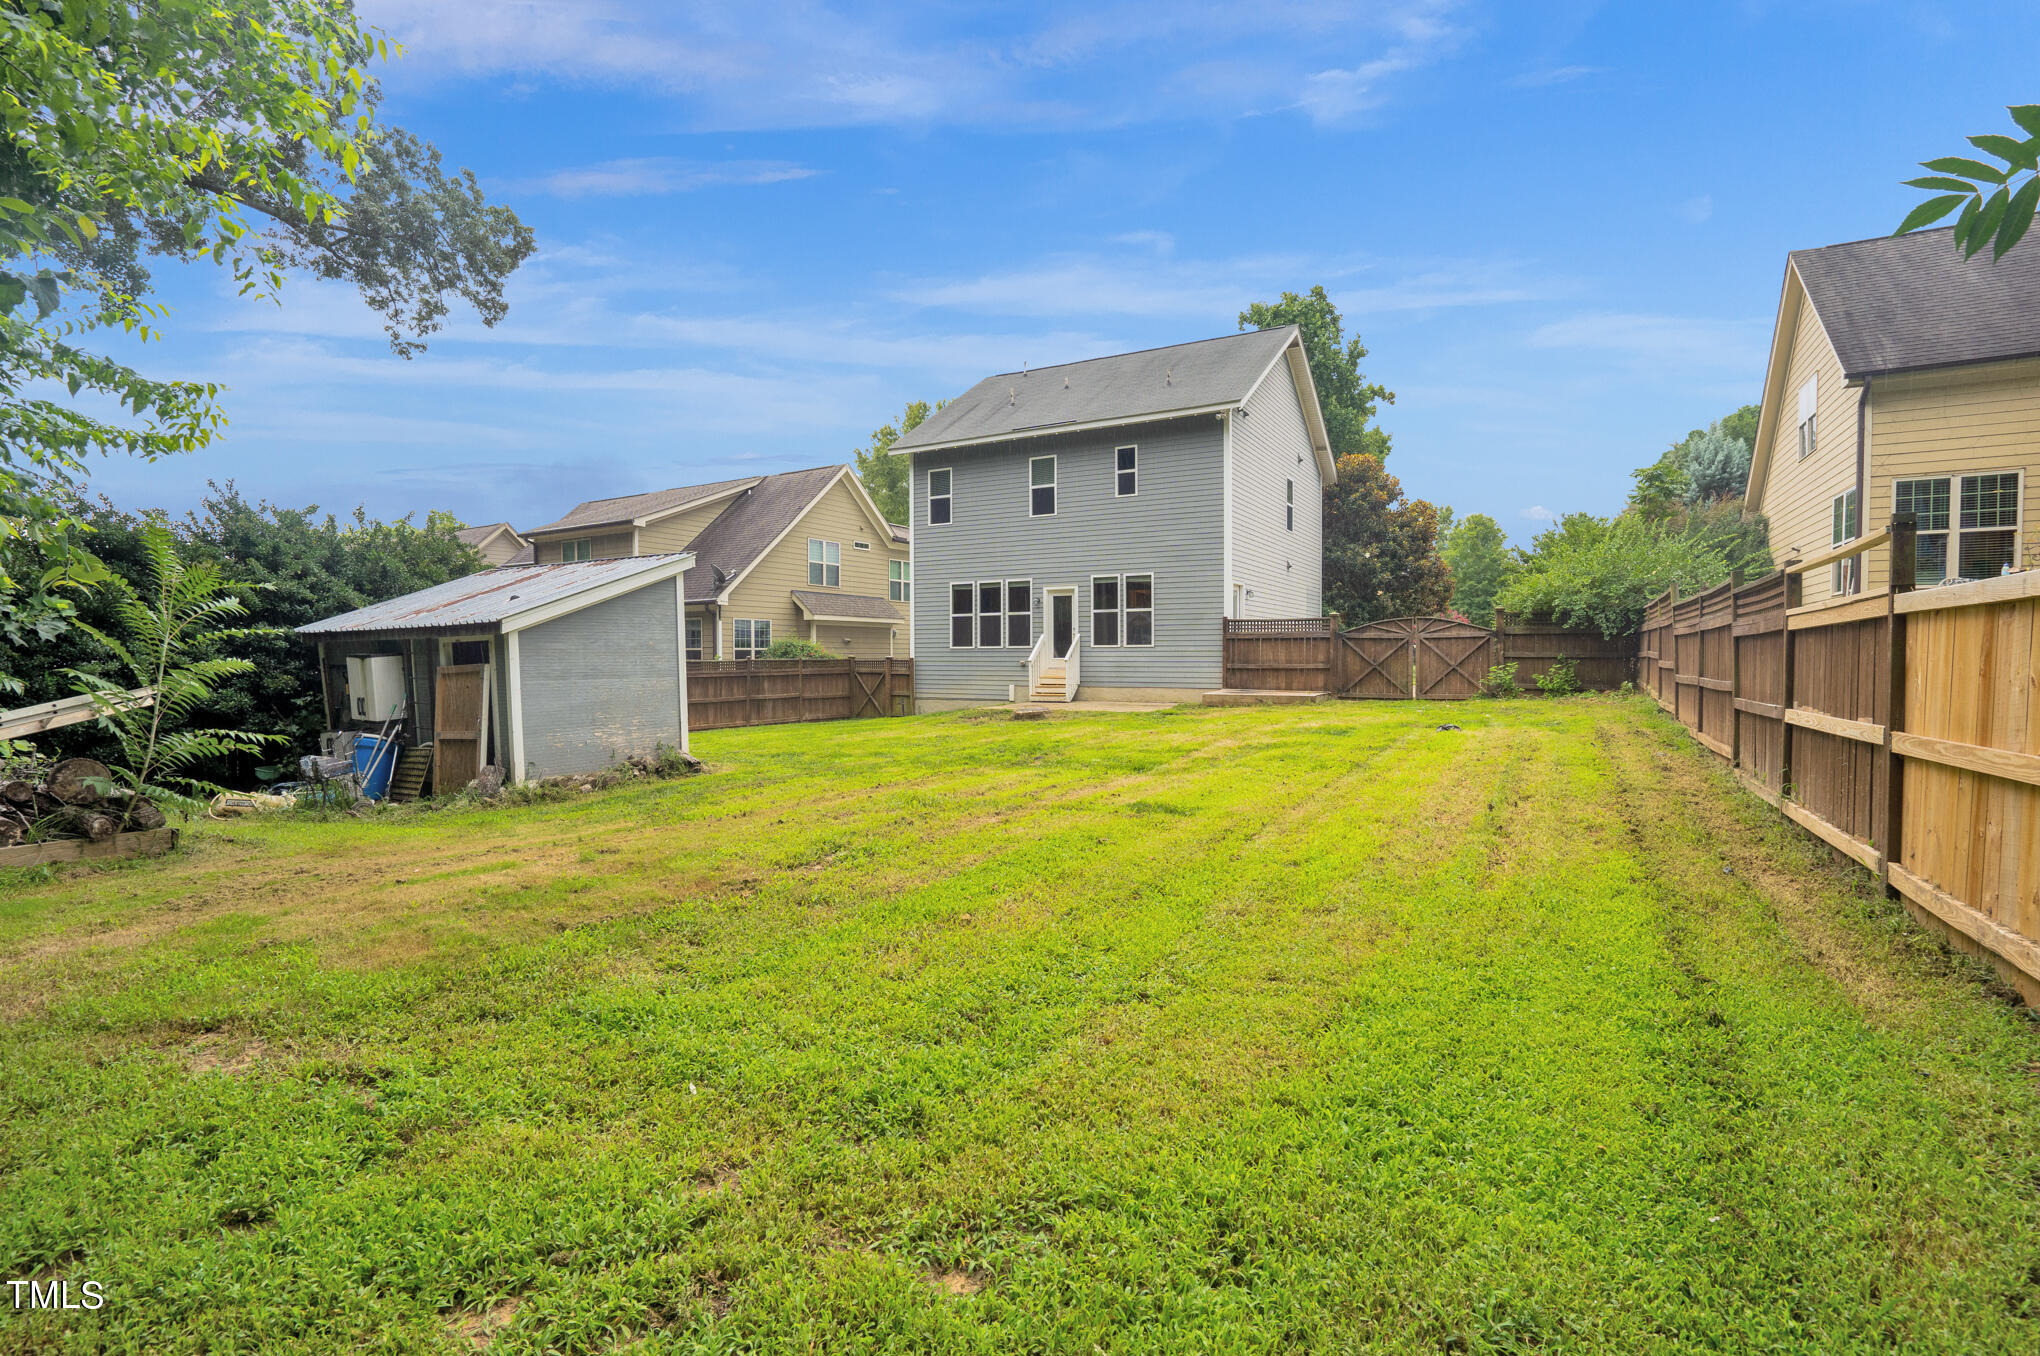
(722, 694)
(1901, 728)
(1438, 658)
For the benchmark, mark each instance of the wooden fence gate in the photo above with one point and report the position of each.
(1426, 658)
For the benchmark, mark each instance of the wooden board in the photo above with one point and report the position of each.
(460, 743)
(147, 843)
(1835, 838)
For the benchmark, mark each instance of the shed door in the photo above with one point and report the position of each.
(459, 744)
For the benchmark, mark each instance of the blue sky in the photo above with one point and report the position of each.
(1560, 228)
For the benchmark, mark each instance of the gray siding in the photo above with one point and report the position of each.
(601, 683)
(1173, 528)
(1282, 570)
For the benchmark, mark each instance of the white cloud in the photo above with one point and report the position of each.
(652, 175)
(1672, 346)
(1161, 242)
(1539, 513)
(1554, 75)
(1696, 210)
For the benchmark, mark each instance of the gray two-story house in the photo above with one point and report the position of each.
(1083, 530)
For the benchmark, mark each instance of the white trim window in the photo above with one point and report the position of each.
(1126, 472)
(899, 580)
(991, 607)
(1846, 515)
(1041, 487)
(824, 564)
(940, 506)
(1289, 505)
(694, 637)
(1139, 592)
(962, 616)
(580, 548)
(1020, 613)
(1987, 524)
(1809, 417)
(750, 637)
(1105, 610)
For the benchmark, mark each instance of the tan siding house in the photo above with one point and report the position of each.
(801, 554)
(1921, 373)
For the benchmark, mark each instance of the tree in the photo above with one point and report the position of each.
(1347, 398)
(1381, 549)
(1594, 573)
(237, 130)
(884, 476)
(1477, 553)
(1962, 181)
(1717, 465)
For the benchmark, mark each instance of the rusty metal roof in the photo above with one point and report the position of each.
(484, 601)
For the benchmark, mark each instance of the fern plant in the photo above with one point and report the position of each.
(169, 636)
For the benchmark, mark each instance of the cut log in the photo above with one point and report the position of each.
(18, 792)
(84, 823)
(142, 813)
(11, 833)
(71, 781)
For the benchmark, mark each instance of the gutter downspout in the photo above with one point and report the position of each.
(1862, 476)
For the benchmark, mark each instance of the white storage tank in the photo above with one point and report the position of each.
(375, 687)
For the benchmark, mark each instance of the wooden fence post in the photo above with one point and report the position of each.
(1888, 816)
(1792, 596)
(1734, 686)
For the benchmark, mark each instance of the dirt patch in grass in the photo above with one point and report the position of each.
(479, 1328)
(220, 1053)
(956, 1284)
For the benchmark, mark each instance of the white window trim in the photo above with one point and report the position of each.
(1289, 505)
(1054, 492)
(1955, 530)
(999, 588)
(1009, 614)
(949, 499)
(1091, 611)
(697, 628)
(754, 647)
(899, 581)
(1133, 471)
(1845, 577)
(824, 562)
(971, 585)
(1809, 414)
(1154, 590)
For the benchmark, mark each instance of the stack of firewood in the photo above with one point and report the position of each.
(72, 799)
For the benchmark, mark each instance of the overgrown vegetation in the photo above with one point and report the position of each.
(793, 647)
(1228, 1030)
(1561, 679)
(1499, 681)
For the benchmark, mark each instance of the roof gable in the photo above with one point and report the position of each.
(637, 509)
(753, 524)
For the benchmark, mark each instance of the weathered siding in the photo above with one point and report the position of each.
(767, 591)
(1282, 571)
(1172, 528)
(601, 683)
(1956, 422)
(1798, 496)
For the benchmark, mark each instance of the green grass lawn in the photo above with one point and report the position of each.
(1200, 1031)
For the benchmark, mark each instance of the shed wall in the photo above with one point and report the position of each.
(601, 683)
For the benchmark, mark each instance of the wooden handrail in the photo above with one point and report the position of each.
(1842, 552)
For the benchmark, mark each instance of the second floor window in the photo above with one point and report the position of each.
(1809, 417)
(1041, 487)
(581, 548)
(1126, 478)
(939, 502)
(824, 563)
(899, 581)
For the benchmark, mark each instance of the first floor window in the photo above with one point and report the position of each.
(1846, 513)
(1020, 612)
(899, 581)
(1128, 472)
(1140, 609)
(1289, 508)
(1988, 518)
(1041, 485)
(577, 549)
(962, 615)
(750, 637)
(1968, 526)
(991, 604)
(939, 501)
(824, 564)
(694, 637)
(1105, 609)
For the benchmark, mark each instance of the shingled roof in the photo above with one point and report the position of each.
(636, 508)
(1155, 383)
(1906, 302)
(748, 527)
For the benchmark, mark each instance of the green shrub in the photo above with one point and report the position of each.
(792, 647)
(1500, 681)
(1560, 680)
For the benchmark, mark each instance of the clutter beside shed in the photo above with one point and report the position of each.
(74, 809)
(537, 671)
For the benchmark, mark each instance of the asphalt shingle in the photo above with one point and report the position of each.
(1899, 303)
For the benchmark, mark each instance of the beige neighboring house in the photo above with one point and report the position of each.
(801, 553)
(1903, 377)
(496, 543)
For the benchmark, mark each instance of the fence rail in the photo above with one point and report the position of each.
(724, 694)
(1901, 728)
(1405, 657)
